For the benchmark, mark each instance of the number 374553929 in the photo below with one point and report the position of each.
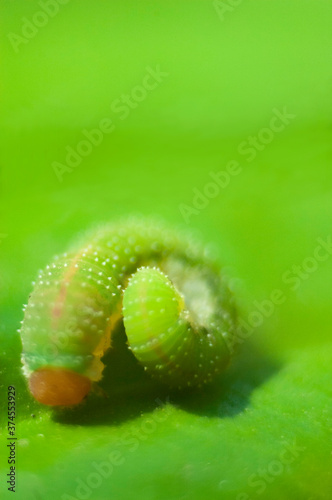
(11, 410)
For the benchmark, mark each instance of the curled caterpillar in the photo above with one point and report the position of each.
(178, 312)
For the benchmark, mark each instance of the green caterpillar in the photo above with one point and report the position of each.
(178, 312)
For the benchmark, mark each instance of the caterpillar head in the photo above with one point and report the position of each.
(58, 386)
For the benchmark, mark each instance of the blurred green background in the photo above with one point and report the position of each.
(226, 67)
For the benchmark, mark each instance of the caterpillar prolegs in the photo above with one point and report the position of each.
(178, 312)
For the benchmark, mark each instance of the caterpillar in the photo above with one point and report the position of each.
(178, 311)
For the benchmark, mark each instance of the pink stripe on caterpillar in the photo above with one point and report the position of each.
(61, 298)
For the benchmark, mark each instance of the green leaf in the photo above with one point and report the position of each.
(263, 429)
